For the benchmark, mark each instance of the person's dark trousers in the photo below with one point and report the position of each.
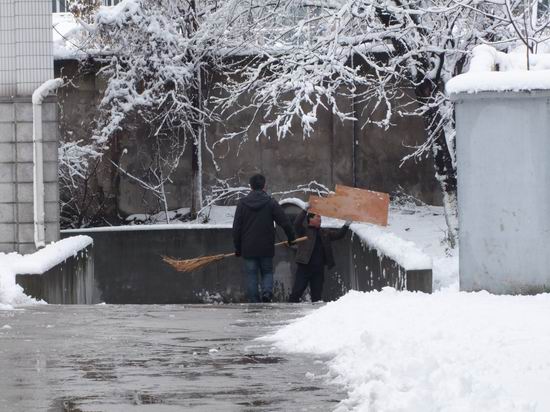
(262, 266)
(307, 275)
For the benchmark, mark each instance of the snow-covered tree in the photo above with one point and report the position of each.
(304, 54)
(285, 60)
(156, 80)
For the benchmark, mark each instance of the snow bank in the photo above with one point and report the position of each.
(12, 264)
(492, 70)
(405, 351)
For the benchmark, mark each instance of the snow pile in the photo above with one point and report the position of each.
(12, 264)
(405, 351)
(492, 70)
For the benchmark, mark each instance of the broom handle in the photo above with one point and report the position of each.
(300, 239)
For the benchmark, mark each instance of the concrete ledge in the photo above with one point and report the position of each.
(372, 270)
(70, 282)
(129, 268)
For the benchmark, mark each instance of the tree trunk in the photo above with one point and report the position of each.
(445, 172)
(196, 158)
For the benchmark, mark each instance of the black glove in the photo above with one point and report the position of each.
(291, 242)
(237, 253)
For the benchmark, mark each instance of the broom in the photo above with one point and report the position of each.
(189, 265)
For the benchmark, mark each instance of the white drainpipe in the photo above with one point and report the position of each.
(38, 159)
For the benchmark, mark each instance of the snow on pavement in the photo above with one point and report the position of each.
(454, 352)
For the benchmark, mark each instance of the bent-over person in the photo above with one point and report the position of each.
(313, 254)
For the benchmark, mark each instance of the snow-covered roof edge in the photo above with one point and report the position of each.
(512, 74)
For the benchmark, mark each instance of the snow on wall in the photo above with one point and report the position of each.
(492, 70)
(406, 253)
(40, 262)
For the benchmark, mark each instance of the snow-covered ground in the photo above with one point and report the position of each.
(398, 351)
(11, 264)
(448, 351)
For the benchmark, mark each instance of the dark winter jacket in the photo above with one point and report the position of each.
(253, 228)
(305, 248)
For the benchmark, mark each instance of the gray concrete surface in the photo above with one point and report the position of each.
(155, 358)
(16, 173)
(503, 191)
(70, 282)
(371, 270)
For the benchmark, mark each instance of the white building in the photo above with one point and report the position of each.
(29, 195)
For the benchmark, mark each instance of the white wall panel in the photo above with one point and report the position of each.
(26, 59)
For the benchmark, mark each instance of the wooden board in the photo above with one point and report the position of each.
(350, 203)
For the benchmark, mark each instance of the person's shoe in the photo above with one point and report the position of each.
(266, 298)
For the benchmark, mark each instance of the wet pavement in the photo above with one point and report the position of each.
(155, 358)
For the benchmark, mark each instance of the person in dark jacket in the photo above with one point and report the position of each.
(313, 255)
(254, 237)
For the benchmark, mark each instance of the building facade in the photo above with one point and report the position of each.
(27, 218)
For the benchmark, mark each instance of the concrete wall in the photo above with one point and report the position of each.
(70, 282)
(16, 173)
(336, 153)
(371, 270)
(129, 267)
(503, 157)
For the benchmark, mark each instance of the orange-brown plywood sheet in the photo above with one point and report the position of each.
(350, 203)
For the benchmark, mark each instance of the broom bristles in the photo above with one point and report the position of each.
(189, 265)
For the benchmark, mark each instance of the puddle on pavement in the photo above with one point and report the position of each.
(155, 358)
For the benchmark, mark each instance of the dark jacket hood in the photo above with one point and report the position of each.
(256, 199)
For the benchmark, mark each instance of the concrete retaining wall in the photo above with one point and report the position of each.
(16, 173)
(337, 153)
(70, 282)
(129, 268)
(371, 270)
